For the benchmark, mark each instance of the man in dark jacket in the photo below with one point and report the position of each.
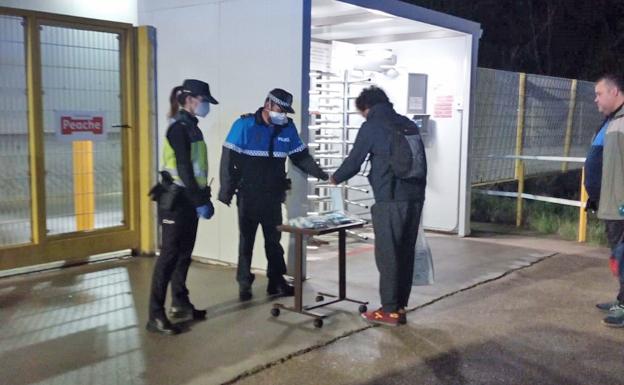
(253, 166)
(398, 203)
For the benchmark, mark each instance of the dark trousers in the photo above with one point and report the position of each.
(179, 229)
(615, 235)
(395, 224)
(268, 214)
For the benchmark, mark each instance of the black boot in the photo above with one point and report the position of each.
(244, 290)
(187, 312)
(280, 288)
(161, 325)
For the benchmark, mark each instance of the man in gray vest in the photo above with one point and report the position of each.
(610, 100)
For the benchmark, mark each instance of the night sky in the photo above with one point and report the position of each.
(578, 39)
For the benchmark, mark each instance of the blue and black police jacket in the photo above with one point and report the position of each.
(253, 162)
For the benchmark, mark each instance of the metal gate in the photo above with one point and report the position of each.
(69, 186)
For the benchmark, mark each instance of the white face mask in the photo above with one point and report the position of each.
(278, 118)
(202, 109)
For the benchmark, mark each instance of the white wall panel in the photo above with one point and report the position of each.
(242, 48)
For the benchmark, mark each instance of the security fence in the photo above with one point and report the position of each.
(522, 114)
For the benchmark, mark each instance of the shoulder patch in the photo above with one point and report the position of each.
(247, 115)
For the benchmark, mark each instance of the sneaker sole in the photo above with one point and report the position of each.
(615, 326)
(380, 322)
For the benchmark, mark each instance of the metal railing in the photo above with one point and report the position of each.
(520, 195)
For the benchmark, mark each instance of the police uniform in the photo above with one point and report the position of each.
(253, 167)
(185, 160)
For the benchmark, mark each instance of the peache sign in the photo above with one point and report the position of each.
(71, 125)
(80, 125)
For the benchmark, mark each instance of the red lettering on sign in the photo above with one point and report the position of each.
(443, 107)
(71, 125)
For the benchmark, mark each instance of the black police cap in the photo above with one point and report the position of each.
(282, 98)
(198, 88)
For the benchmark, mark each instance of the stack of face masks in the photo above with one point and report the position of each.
(334, 218)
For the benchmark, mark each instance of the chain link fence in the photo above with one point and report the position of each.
(517, 114)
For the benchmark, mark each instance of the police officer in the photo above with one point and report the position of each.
(187, 198)
(253, 167)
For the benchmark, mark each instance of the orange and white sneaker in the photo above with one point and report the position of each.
(381, 317)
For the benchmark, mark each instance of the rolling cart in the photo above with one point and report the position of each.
(342, 274)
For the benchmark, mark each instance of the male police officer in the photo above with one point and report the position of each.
(253, 167)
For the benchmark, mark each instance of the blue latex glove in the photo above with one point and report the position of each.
(206, 211)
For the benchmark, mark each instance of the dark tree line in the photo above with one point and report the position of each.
(568, 38)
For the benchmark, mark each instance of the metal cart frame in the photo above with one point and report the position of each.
(298, 282)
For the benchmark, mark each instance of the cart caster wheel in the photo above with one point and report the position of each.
(275, 312)
(320, 298)
(318, 323)
(362, 309)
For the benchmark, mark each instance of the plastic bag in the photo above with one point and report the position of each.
(423, 260)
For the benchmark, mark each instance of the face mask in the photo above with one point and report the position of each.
(278, 118)
(202, 109)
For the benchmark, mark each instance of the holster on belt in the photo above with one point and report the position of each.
(165, 192)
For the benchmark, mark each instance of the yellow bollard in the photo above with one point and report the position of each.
(84, 191)
(582, 226)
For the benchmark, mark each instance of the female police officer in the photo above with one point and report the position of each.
(186, 198)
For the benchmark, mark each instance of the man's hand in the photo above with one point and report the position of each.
(332, 180)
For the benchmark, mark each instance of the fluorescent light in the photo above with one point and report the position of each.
(377, 54)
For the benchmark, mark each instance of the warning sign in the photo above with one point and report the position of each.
(443, 107)
(80, 125)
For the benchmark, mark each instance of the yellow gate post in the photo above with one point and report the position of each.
(582, 226)
(145, 124)
(519, 143)
(84, 186)
(520, 192)
(35, 131)
(569, 124)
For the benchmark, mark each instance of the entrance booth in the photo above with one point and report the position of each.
(323, 52)
(425, 61)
